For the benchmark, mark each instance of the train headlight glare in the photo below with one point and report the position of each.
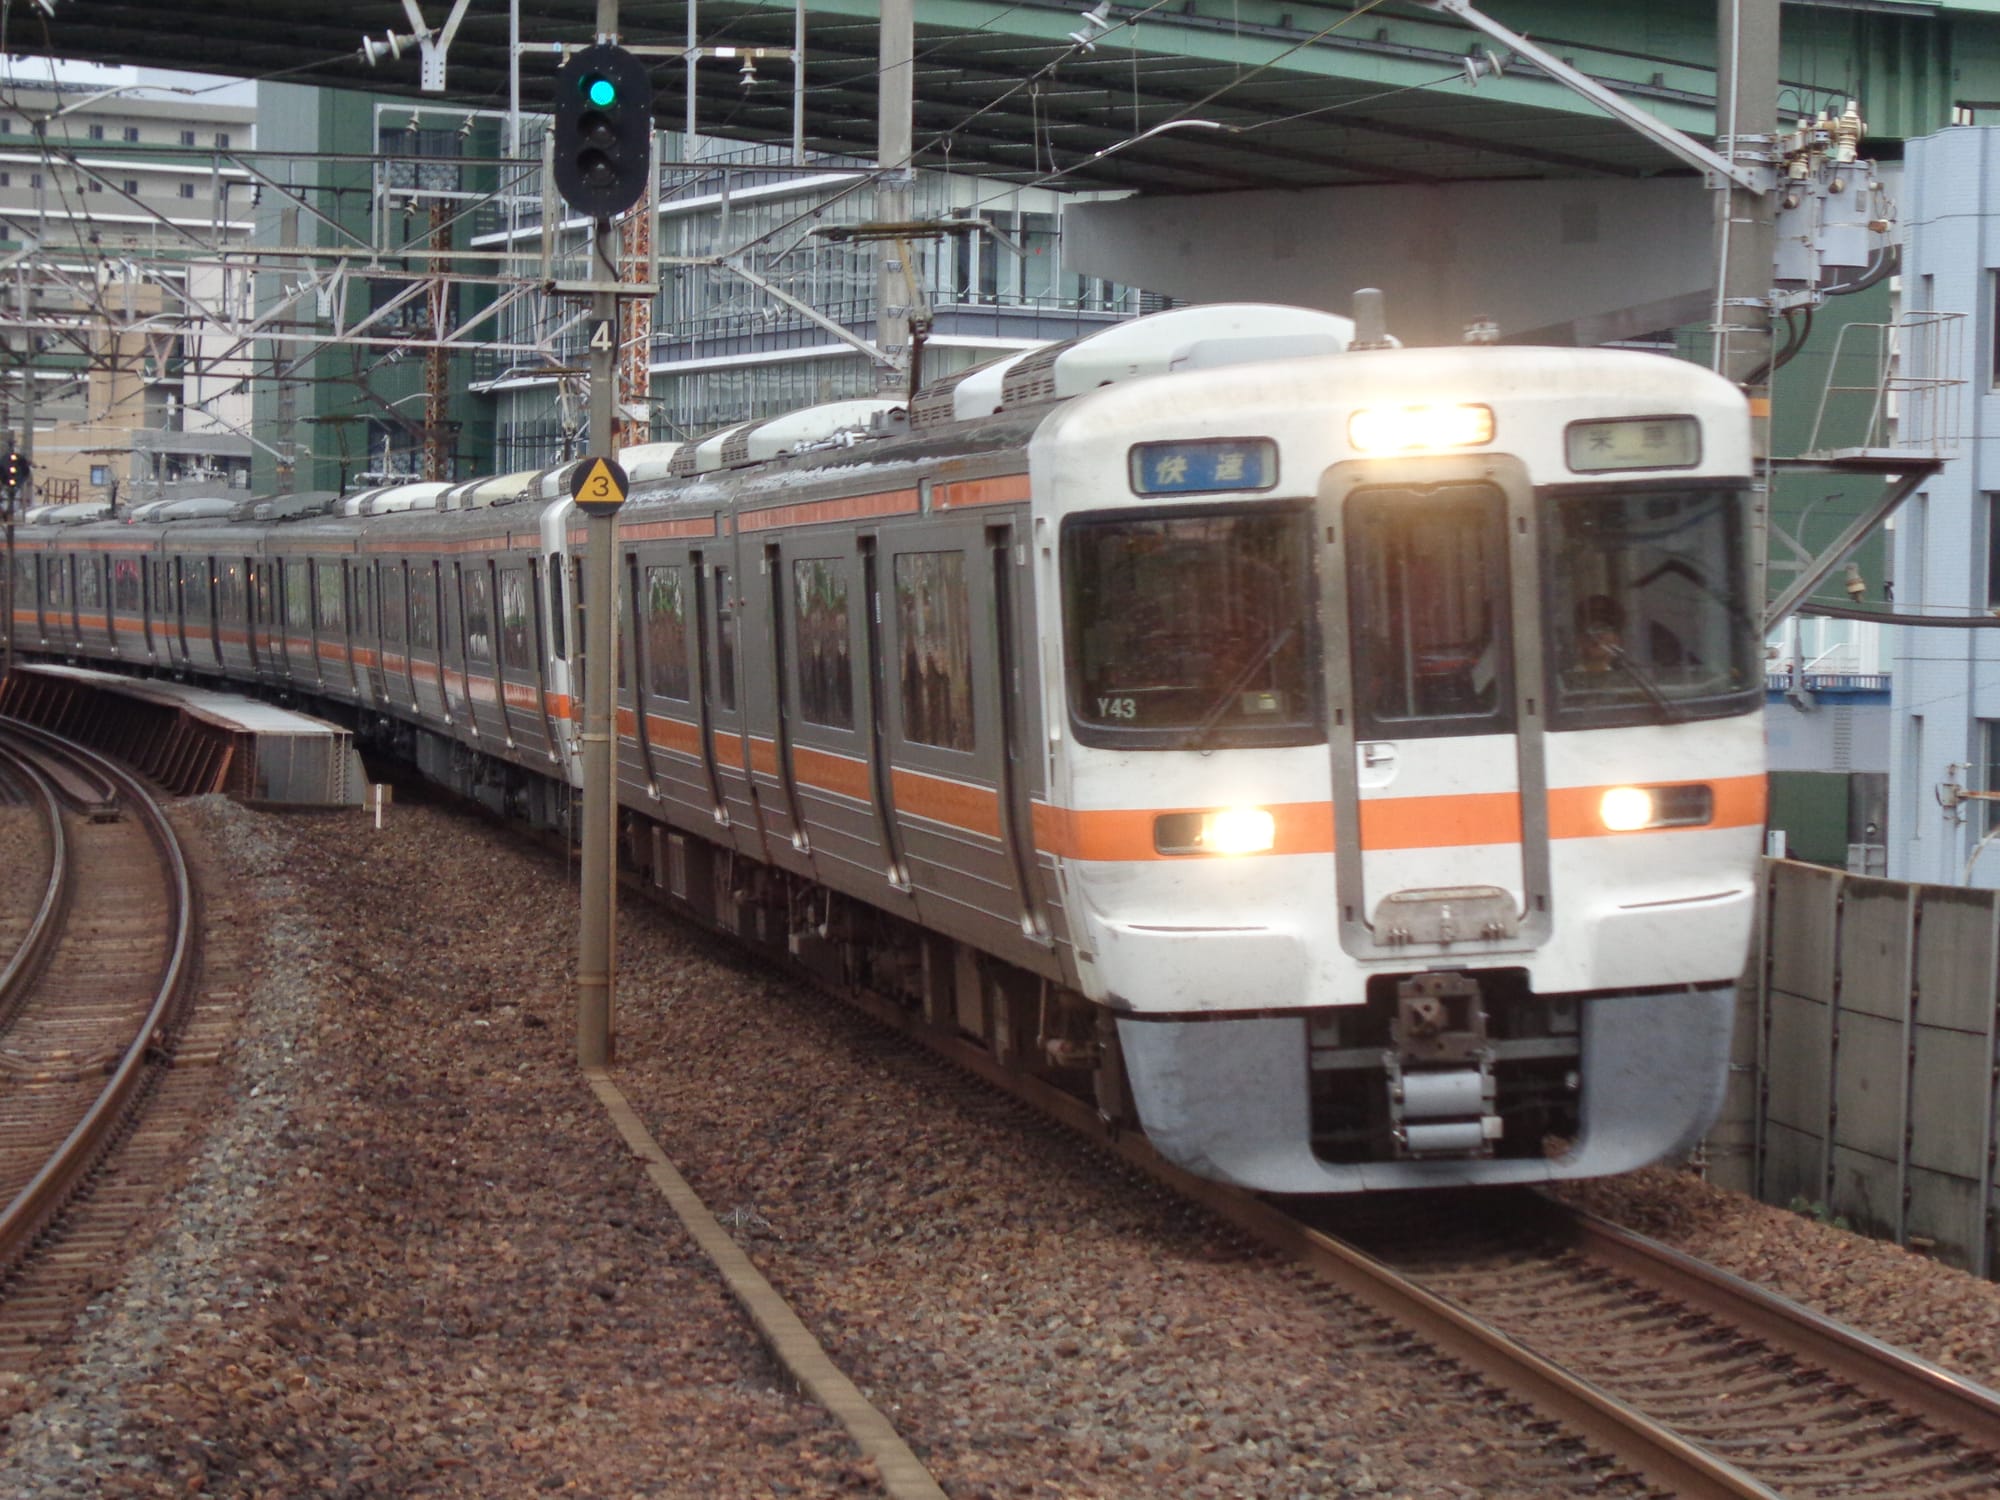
(1238, 830)
(1625, 808)
(1226, 830)
(1402, 429)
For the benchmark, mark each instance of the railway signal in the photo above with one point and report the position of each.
(15, 473)
(604, 130)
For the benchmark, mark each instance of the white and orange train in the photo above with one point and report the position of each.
(1348, 765)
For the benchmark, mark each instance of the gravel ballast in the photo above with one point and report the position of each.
(414, 1258)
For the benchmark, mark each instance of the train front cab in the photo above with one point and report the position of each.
(1433, 883)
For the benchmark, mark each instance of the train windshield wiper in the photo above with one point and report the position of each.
(1198, 740)
(1621, 659)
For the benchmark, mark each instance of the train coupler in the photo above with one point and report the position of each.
(1441, 1085)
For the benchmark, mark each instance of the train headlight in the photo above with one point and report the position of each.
(1626, 808)
(1402, 429)
(1227, 830)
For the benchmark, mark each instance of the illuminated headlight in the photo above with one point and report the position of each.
(1626, 809)
(1227, 830)
(1401, 429)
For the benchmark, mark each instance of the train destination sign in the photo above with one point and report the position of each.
(599, 486)
(1203, 465)
(1633, 443)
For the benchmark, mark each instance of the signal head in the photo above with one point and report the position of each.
(603, 129)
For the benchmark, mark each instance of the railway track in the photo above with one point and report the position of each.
(32, 841)
(1673, 1377)
(84, 1026)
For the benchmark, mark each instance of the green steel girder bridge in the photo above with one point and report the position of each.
(1161, 97)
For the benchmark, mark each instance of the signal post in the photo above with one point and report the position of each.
(602, 125)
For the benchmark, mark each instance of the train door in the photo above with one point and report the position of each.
(1435, 731)
(1019, 780)
(723, 745)
(210, 584)
(179, 581)
(561, 689)
(93, 611)
(770, 711)
(360, 635)
(509, 593)
(943, 688)
(540, 643)
(451, 646)
(426, 659)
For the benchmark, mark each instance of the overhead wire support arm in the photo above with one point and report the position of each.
(1755, 178)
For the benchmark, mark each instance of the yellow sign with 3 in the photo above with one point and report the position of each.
(599, 486)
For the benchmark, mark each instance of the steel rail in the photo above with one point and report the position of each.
(1632, 1438)
(35, 949)
(36, 1206)
(1945, 1400)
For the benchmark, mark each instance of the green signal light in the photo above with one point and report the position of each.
(601, 92)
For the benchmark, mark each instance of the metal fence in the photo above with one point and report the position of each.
(1868, 1059)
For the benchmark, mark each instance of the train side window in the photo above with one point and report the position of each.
(667, 632)
(328, 591)
(478, 614)
(229, 592)
(423, 609)
(391, 590)
(514, 618)
(557, 638)
(821, 642)
(89, 583)
(125, 585)
(934, 630)
(725, 642)
(194, 588)
(298, 595)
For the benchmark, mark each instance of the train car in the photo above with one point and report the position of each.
(1345, 765)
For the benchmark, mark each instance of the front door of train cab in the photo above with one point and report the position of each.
(1440, 822)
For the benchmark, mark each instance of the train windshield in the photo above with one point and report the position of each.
(1191, 629)
(1648, 601)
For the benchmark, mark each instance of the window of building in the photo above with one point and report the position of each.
(222, 139)
(1991, 500)
(187, 190)
(97, 132)
(132, 133)
(187, 137)
(934, 629)
(1989, 775)
(6, 127)
(100, 474)
(96, 186)
(34, 179)
(6, 179)
(132, 187)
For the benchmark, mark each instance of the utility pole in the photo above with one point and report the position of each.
(1746, 109)
(896, 87)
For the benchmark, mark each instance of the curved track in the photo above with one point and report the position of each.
(29, 923)
(75, 1053)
